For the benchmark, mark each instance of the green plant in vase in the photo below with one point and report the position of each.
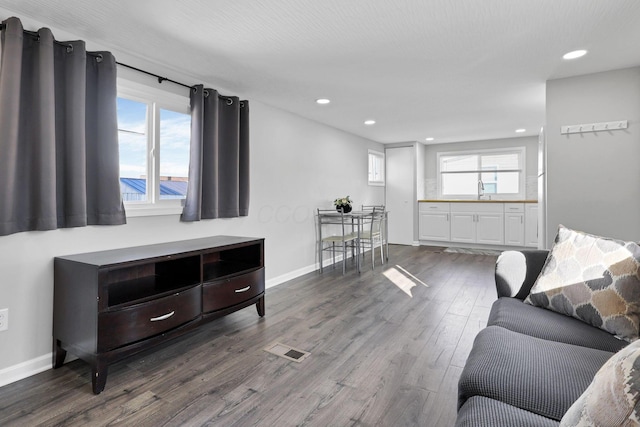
(343, 204)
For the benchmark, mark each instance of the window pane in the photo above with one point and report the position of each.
(459, 163)
(175, 131)
(372, 165)
(460, 184)
(132, 139)
(376, 168)
(500, 161)
(501, 182)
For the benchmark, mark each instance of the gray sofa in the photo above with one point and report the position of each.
(529, 365)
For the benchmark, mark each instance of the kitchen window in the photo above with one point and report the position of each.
(482, 174)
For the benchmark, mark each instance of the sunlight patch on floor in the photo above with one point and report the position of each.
(404, 280)
(414, 278)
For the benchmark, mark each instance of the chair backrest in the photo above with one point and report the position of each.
(372, 207)
(377, 216)
(333, 219)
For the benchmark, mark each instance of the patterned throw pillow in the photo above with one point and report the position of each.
(594, 279)
(613, 397)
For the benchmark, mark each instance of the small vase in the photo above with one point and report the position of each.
(344, 208)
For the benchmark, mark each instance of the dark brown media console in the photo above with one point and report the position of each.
(111, 304)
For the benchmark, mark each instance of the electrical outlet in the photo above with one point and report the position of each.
(4, 319)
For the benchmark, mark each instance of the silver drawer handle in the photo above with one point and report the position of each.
(163, 317)
(237, 291)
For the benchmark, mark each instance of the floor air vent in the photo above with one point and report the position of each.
(287, 352)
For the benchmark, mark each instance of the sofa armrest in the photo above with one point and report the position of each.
(517, 271)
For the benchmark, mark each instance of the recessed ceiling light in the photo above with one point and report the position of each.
(574, 54)
(323, 101)
(369, 122)
(520, 130)
(429, 139)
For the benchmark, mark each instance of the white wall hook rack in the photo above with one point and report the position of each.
(594, 127)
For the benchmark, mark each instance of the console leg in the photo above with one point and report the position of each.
(58, 354)
(260, 307)
(99, 376)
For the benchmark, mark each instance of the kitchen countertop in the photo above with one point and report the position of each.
(474, 201)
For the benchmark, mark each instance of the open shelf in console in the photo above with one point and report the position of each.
(137, 283)
(231, 262)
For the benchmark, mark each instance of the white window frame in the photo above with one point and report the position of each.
(158, 100)
(379, 156)
(521, 151)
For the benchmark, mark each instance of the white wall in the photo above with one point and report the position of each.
(593, 178)
(297, 165)
(531, 157)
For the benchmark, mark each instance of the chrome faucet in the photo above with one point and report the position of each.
(480, 189)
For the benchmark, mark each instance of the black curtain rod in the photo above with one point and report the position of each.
(166, 79)
(160, 78)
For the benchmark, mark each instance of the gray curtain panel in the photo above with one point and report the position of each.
(59, 164)
(219, 157)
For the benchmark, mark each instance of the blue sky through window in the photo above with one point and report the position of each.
(132, 137)
(175, 132)
(172, 147)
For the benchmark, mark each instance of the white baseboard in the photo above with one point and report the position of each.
(25, 369)
(300, 272)
(290, 276)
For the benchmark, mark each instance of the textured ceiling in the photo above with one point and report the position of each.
(454, 70)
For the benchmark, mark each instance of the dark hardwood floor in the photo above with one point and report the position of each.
(387, 348)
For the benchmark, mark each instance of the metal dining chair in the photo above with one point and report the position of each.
(339, 242)
(372, 236)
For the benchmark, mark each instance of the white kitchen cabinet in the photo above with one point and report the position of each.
(481, 223)
(514, 226)
(434, 221)
(463, 227)
(490, 228)
(531, 225)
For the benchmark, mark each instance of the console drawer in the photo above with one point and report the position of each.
(226, 293)
(131, 324)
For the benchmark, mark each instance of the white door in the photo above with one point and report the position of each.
(400, 197)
